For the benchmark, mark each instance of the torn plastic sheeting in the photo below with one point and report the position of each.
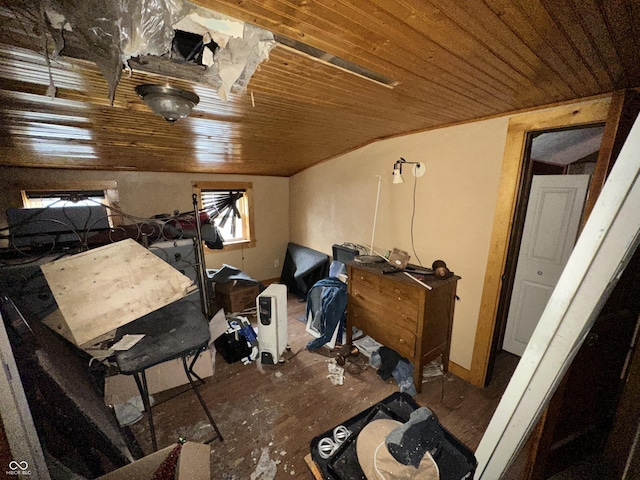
(264, 42)
(234, 65)
(242, 47)
(113, 32)
(217, 26)
(96, 23)
(57, 20)
(148, 26)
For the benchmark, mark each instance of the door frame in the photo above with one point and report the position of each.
(585, 114)
(601, 254)
(515, 239)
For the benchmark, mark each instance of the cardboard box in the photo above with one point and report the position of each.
(161, 377)
(193, 464)
(236, 296)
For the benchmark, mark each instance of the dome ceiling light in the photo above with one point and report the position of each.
(169, 102)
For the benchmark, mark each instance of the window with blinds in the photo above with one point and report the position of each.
(63, 199)
(229, 206)
(56, 194)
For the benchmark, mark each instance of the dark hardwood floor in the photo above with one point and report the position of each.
(269, 414)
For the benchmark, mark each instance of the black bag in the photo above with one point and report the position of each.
(232, 346)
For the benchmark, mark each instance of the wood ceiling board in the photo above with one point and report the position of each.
(569, 20)
(328, 40)
(482, 22)
(548, 29)
(337, 38)
(102, 289)
(547, 53)
(620, 25)
(493, 40)
(592, 17)
(465, 71)
(417, 103)
(460, 44)
(296, 72)
(125, 97)
(455, 62)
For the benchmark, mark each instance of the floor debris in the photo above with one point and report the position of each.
(266, 468)
(336, 373)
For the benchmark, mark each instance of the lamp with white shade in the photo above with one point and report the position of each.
(418, 170)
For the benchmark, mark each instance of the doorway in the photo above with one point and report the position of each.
(557, 165)
(553, 436)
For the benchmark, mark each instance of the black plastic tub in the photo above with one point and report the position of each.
(455, 461)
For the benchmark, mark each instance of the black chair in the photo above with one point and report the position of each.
(302, 268)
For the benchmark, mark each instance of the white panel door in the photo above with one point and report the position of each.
(550, 230)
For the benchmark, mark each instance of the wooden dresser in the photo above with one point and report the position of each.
(401, 314)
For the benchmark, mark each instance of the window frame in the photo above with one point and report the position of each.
(109, 187)
(248, 220)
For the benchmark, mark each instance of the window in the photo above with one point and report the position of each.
(77, 198)
(230, 206)
(74, 194)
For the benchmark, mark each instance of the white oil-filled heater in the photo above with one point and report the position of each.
(272, 323)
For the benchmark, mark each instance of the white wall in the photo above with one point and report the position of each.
(148, 193)
(334, 202)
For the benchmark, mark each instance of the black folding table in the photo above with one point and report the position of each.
(178, 330)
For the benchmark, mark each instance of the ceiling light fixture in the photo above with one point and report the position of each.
(418, 169)
(169, 102)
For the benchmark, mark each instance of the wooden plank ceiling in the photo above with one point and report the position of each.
(453, 61)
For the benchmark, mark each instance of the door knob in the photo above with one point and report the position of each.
(539, 272)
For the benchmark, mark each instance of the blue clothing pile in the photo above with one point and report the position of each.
(326, 303)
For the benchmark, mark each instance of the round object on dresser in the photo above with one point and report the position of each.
(440, 269)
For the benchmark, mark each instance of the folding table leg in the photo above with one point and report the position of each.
(144, 393)
(193, 362)
(204, 405)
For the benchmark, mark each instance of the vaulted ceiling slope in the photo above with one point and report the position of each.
(451, 61)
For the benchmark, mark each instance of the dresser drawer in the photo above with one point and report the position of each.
(365, 278)
(386, 285)
(400, 293)
(404, 314)
(387, 331)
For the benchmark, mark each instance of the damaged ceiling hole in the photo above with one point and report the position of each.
(173, 39)
(190, 47)
(176, 40)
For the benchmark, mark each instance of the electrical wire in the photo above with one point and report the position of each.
(285, 360)
(413, 214)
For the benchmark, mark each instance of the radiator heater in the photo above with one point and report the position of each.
(272, 323)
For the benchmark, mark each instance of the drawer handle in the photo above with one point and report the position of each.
(402, 340)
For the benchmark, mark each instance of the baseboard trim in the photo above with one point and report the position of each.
(459, 371)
